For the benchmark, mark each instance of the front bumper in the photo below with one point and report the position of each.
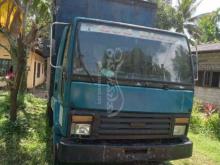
(72, 152)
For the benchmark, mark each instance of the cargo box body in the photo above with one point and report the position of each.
(137, 12)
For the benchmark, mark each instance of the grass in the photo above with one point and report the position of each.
(206, 151)
(28, 141)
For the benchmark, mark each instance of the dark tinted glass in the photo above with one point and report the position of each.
(4, 66)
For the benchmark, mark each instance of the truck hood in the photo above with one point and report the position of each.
(113, 99)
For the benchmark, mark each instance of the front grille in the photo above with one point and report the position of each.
(133, 126)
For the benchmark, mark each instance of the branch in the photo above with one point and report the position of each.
(31, 36)
(10, 38)
(4, 47)
(18, 4)
(44, 25)
(5, 33)
(12, 43)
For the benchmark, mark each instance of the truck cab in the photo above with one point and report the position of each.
(121, 92)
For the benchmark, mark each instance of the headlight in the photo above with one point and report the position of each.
(179, 130)
(80, 129)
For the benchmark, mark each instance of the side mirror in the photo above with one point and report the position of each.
(51, 42)
(195, 66)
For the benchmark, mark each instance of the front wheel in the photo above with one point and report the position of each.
(149, 163)
(55, 155)
(50, 115)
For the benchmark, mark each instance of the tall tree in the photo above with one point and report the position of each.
(209, 27)
(20, 22)
(186, 19)
(166, 16)
(180, 18)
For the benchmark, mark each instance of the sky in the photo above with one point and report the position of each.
(205, 6)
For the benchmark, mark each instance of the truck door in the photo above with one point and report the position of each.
(59, 83)
(62, 53)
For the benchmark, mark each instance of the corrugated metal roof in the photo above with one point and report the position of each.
(212, 47)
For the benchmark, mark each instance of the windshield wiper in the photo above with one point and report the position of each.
(166, 85)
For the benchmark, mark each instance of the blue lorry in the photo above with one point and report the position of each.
(121, 90)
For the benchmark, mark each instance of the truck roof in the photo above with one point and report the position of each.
(137, 12)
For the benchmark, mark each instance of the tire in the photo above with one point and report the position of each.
(148, 163)
(55, 155)
(156, 163)
(50, 116)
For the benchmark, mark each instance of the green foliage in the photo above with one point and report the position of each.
(166, 16)
(202, 124)
(205, 134)
(28, 20)
(186, 24)
(179, 18)
(197, 106)
(40, 13)
(186, 8)
(196, 123)
(209, 28)
(26, 141)
(213, 125)
(205, 151)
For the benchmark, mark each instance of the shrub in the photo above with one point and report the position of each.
(196, 121)
(196, 124)
(197, 106)
(212, 125)
(204, 120)
(209, 109)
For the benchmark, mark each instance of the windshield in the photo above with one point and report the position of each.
(131, 54)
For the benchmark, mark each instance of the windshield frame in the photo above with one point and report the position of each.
(92, 78)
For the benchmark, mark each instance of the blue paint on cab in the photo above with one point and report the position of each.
(129, 99)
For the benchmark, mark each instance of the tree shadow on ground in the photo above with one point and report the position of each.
(127, 163)
(26, 142)
(12, 152)
(49, 143)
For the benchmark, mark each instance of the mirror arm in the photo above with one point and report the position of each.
(197, 65)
